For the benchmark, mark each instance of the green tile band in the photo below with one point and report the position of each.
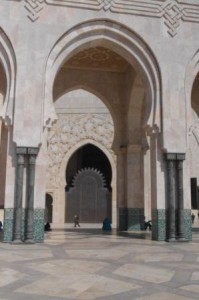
(131, 219)
(159, 224)
(8, 225)
(38, 225)
(187, 224)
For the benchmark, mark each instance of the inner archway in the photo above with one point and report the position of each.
(49, 208)
(88, 177)
(194, 146)
(3, 142)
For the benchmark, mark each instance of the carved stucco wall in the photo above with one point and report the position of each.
(173, 12)
(69, 130)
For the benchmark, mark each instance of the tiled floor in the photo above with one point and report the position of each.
(89, 264)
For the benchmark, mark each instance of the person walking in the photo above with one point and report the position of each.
(76, 221)
(192, 218)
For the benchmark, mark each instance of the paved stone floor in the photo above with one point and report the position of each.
(88, 264)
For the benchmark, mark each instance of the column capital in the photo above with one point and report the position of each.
(170, 156)
(32, 150)
(180, 156)
(175, 156)
(21, 150)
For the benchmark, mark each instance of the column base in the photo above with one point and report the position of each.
(17, 242)
(29, 241)
(172, 240)
(182, 240)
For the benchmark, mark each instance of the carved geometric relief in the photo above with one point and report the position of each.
(33, 7)
(173, 12)
(72, 129)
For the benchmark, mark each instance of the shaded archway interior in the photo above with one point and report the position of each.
(122, 89)
(49, 208)
(194, 160)
(88, 156)
(3, 138)
(195, 95)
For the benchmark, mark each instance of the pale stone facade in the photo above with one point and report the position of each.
(141, 60)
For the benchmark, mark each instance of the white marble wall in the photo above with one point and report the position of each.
(163, 59)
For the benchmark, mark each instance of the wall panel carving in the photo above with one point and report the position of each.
(70, 130)
(173, 12)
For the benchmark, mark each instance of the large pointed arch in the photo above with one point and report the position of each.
(124, 42)
(8, 61)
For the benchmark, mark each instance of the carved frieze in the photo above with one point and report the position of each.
(173, 12)
(72, 129)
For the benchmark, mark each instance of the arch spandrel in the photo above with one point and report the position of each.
(111, 35)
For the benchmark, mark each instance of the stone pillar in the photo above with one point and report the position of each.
(32, 154)
(21, 151)
(180, 197)
(171, 166)
(147, 185)
(135, 190)
(121, 191)
(158, 182)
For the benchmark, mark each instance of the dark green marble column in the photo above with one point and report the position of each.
(180, 198)
(32, 154)
(171, 167)
(21, 151)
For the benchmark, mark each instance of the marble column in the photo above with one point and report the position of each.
(171, 166)
(32, 154)
(180, 197)
(21, 151)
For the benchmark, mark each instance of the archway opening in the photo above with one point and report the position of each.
(89, 156)
(49, 208)
(126, 80)
(3, 142)
(81, 139)
(195, 96)
(194, 148)
(88, 177)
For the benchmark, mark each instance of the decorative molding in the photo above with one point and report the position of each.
(173, 12)
(70, 130)
(34, 7)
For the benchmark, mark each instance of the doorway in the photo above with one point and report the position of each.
(88, 190)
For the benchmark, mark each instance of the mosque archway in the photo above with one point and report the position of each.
(127, 80)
